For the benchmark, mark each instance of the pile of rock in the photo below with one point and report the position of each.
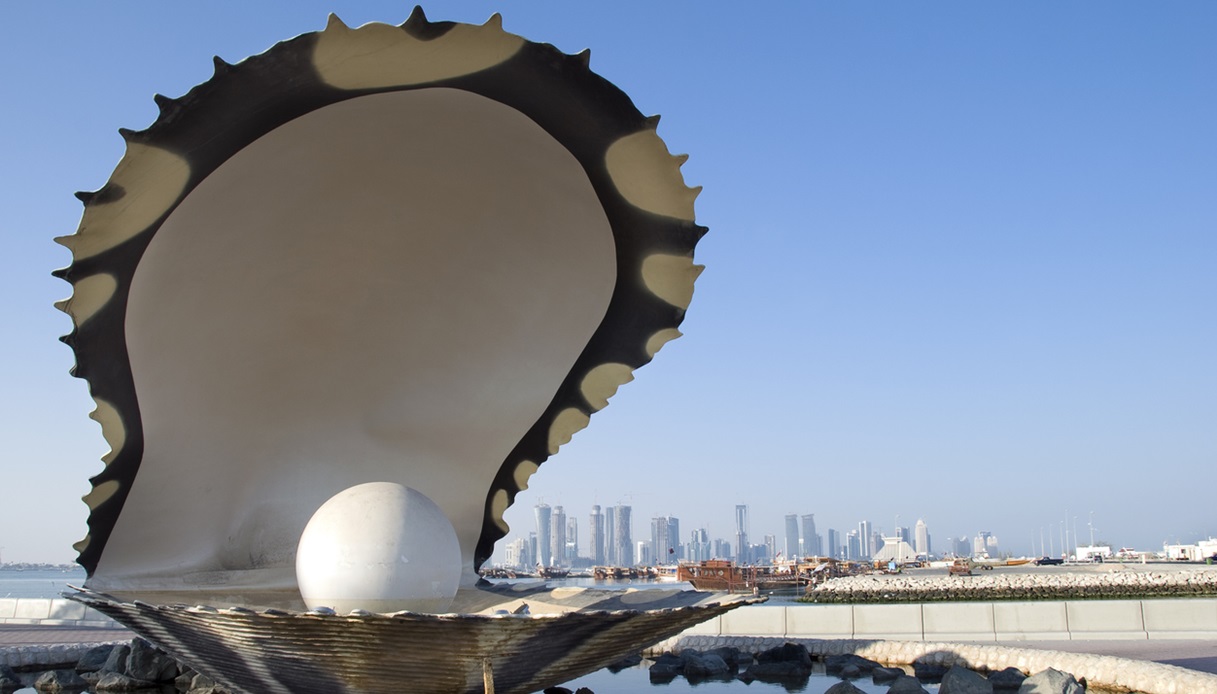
(792, 664)
(118, 668)
(932, 659)
(1021, 586)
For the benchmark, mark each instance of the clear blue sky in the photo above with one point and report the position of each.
(962, 261)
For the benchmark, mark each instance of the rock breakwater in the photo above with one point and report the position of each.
(934, 659)
(1017, 586)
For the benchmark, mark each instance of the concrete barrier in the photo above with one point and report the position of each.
(52, 612)
(1163, 618)
(1177, 618)
(1180, 619)
(758, 620)
(829, 621)
(886, 621)
(958, 621)
(1105, 619)
(1030, 621)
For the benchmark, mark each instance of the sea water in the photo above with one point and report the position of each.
(636, 679)
(38, 583)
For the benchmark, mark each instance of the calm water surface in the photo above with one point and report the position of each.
(637, 679)
(38, 584)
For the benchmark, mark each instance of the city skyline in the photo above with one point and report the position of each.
(850, 546)
(959, 259)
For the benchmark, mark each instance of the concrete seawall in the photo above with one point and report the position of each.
(52, 612)
(1179, 618)
(1161, 618)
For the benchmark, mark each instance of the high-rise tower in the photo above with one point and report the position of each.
(596, 536)
(557, 537)
(811, 541)
(610, 537)
(623, 540)
(921, 538)
(665, 538)
(543, 513)
(741, 534)
(791, 549)
(571, 552)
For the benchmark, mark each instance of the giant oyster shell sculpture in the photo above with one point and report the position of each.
(420, 255)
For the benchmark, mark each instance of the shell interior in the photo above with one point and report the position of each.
(422, 254)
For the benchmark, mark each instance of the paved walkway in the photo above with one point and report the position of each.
(35, 635)
(1191, 654)
(1195, 655)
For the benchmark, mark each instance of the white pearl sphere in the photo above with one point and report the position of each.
(380, 547)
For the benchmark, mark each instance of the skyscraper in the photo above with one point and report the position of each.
(741, 534)
(543, 513)
(623, 540)
(865, 548)
(557, 537)
(853, 546)
(514, 553)
(792, 537)
(572, 540)
(610, 537)
(699, 548)
(962, 547)
(984, 542)
(921, 539)
(834, 545)
(722, 549)
(811, 541)
(673, 555)
(596, 539)
(665, 539)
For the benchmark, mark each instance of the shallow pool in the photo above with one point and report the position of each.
(636, 679)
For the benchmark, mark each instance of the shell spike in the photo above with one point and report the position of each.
(163, 102)
(585, 56)
(334, 22)
(680, 159)
(220, 66)
(495, 21)
(61, 273)
(417, 19)
(86, 196)
(696, 190)
(62, 305)
(128, 134)
(652, 122)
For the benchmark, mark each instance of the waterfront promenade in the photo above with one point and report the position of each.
(1194, 654)
(1180, 632)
